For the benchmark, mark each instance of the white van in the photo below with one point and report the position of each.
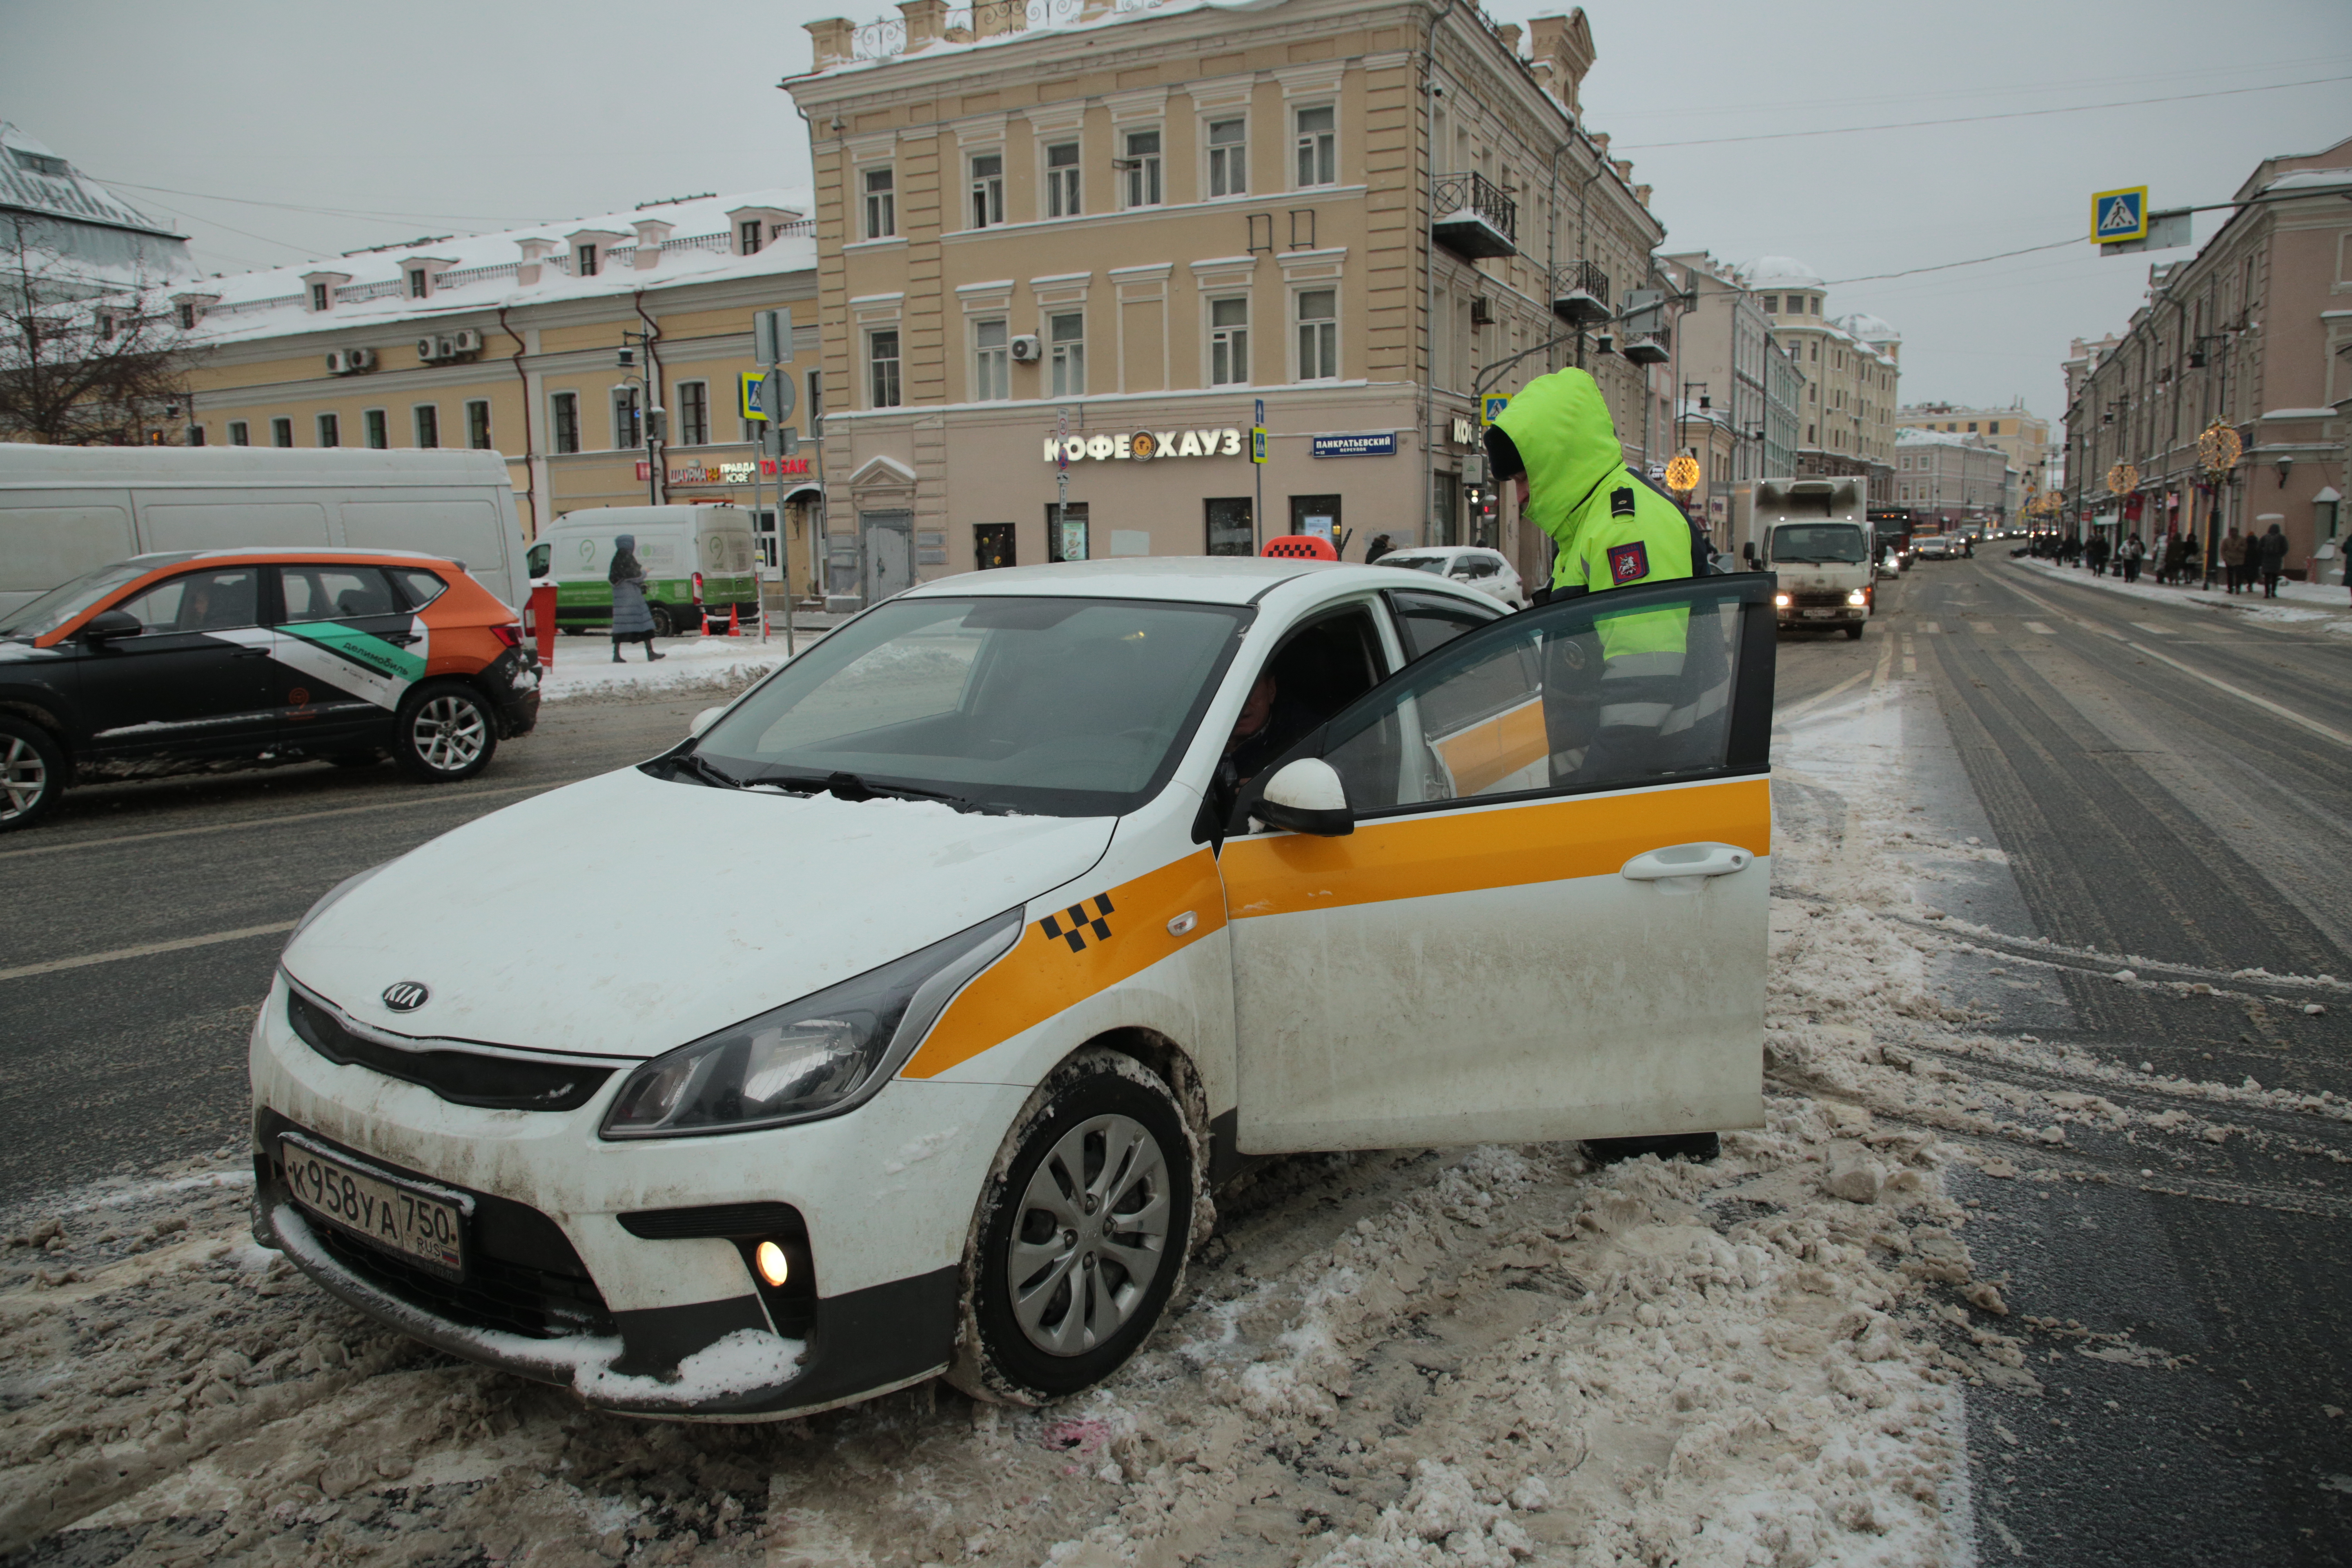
(1817, 537)
(67, 510)
(693, 555)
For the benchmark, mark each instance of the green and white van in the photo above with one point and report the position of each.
(694, 557)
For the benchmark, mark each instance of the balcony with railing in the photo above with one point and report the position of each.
(1475, 218)
(1654, 347)
(1579, 293)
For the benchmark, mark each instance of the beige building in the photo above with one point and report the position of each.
(1957, 480)
(1851, 364)
(2022, 435)
(2253, 335)
(511, 342)
(1082, 245)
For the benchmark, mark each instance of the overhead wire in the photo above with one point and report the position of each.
(300, 207)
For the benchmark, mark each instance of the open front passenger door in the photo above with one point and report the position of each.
(1550, 918)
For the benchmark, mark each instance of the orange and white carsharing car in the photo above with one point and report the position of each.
(1054, 897)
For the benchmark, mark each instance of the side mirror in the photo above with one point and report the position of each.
(110, 625)
(1307, 796)
(704, 720)
(1748, 551)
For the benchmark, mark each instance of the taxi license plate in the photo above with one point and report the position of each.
(1819, 615)
(409, 1221)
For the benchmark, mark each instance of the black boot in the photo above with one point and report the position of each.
(616, 652)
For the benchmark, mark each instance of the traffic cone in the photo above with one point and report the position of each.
(733, 630)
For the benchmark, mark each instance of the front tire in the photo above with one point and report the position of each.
(32, 774)
(665, 624)
(1853, 632)
(443, 732)
(1082, 1235)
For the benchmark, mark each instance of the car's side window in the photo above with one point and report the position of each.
(423, 587)
(1480, 565)
(219, 600)
(1427, 622)
(335, 592)
(1604, 691)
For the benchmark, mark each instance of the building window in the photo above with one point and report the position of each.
(318, 301)
(992, 369)
(747, 236)
(1068, 332)
(693, 412)
(1142, 166)
(882, 362)
(1228, 342)
(478, 425)
(374, 430)
(1228, 157)
(187, 318)
(881, 205)
(331, 431)
(627, 428)
(584, 261)
(281, 432)
(429, 426)
(1993, 428)
(237, 434)
(1062, 179)
(420, 282)
(1230, 528)
(1772, 304)
(987, 189)
(1808, 435)
(1318, 157)
(1318, 334)
(567, 421)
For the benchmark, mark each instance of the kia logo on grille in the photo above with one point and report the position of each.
(407, 996)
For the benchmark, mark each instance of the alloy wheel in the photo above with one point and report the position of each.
(450, 733)
(1091, 1235)
(24, 778)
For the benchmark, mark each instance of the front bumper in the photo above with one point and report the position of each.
(560, 1289)
(1835, 614)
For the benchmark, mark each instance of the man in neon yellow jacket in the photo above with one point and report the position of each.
(1613, 530)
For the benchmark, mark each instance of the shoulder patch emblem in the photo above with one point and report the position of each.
(1629, 563)
(1620, 501)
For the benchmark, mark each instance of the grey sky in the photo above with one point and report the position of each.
(373, 124)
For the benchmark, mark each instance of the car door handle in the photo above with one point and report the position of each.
(251, 653)
(400, 639)
(1686, 860)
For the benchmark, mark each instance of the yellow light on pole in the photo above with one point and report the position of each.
(1682, 474)
(2219, 448)
(2122, 479)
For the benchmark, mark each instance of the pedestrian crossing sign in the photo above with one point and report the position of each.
(2119, 215)
(1491, 407)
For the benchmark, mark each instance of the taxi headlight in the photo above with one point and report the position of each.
(1857, 597)
(824, 1054)
(1781, 601)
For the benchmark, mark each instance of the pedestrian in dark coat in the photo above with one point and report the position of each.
(632, 621)
(2273, 546)
(2094, 554)
(2192, 560)
(2233, 559)
(1376, 549)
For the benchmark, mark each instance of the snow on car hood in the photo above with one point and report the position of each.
(626, 915)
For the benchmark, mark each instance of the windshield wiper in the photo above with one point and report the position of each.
(850, 786)
(708, 772)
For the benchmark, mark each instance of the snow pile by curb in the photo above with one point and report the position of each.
(2311, 604)
(717, 667)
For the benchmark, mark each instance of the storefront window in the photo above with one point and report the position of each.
(1232, 531)
(1066, 532)
(1316, 515)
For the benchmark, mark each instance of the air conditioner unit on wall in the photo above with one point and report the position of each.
(359, 359)
(1027, 349)
(430, 349)
(465, 340)
(338, 362)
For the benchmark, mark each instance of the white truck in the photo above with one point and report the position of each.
(65, 510)
(1816, 535)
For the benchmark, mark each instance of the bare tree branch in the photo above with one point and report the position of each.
(78, 369)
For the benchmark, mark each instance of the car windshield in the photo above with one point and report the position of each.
(1818, 543)
(1434, 564)
(61, 605)
(1054, 707)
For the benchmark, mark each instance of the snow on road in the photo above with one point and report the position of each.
(2308, 607)
(718, 666)
(1474, 1356)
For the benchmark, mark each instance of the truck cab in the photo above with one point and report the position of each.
(1817, 537)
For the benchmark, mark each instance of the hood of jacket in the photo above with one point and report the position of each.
(1561, 427)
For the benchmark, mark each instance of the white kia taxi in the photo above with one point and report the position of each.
(1054, 896)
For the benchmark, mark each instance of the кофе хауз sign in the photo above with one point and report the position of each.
(1145, 445)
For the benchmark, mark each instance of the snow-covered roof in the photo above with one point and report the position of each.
(481, 271)
(2310, 180)
(1912, 436)
(882, 42)
(33, 178)
(1870, 328)
(1780, 272)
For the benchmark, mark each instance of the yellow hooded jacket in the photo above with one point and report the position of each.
(1612, 530)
